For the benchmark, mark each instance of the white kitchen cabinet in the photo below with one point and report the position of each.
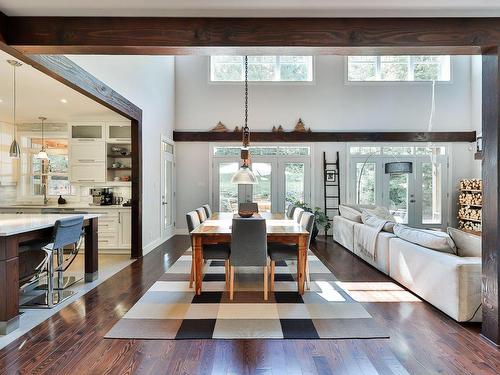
(125, 231)
(87, 152)
(118, 132)
(87, 131)
(88, 172)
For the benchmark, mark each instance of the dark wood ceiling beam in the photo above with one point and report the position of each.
(181, 35)
(180, 136)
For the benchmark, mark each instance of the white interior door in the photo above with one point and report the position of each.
(167, 189)
(225, 193)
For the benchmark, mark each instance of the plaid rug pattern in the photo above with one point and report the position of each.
(171, 310)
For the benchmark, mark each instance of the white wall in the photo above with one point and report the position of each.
(148, 82)
(328, 104)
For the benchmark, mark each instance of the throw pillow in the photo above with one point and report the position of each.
(350, 213)
(468, 245)
(382, 213)
(375, 221)
(431, 239)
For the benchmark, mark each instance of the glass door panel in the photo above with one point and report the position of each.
(366, 183)
(399, 197)
(431, 193)
(294, 182)
(262, 192)
(227, 191)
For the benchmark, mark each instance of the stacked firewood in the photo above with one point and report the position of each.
(466, 212)
(471, 199)
(470, 225)
(471, 184)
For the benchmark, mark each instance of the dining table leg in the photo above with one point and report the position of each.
(301, 263)
(198, 256)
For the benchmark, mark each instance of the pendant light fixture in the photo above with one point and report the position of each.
(15, 150)
(245, 176)
(42, 154)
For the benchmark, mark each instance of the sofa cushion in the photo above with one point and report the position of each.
(449, 282)
(468, 245)
(430, 239)
(350, 213)
(373, 220)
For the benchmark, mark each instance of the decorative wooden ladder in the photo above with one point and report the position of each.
(331, 184)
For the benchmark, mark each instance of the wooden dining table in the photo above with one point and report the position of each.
(217, 229)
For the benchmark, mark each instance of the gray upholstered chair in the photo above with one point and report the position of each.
(248, 206)
(279, 251)
(210, 251)
(201, 214)
(297, 213)
(208, 210)
(289, 211)
(248, 248)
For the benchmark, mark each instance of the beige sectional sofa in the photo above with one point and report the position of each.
(450, 282)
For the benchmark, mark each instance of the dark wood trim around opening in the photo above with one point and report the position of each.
(133, 35)
(67, 72)
(180, 136)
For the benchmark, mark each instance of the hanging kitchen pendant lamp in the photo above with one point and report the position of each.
(42, 154)
(245, 176)
(15, 150)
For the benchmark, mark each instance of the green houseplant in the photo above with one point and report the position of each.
(320, 217)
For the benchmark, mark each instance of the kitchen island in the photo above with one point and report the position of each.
(16, 229)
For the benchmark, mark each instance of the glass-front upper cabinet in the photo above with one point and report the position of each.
(87, 132)
(119, 132)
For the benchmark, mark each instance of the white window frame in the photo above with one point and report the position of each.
(212, 175)
(351, 187)
(409, 81)
(272, 82)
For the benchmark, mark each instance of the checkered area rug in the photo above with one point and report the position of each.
(171, 310)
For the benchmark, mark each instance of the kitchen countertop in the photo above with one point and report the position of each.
(14, 224)
(70, 206)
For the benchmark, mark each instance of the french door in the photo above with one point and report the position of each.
(280, 181)
(417, 199)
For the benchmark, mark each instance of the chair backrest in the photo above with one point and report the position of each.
(296, 214)
(193, 220)
(248, 242)
(307, 222)
(67, 231)
(248, 206)
(208, 210)
(289, 211)
(202, 214)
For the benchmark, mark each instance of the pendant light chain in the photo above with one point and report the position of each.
(15, 97)
(246, 93)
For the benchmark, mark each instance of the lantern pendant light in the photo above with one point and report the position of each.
(245, 176)
(42, 154)
(15, 150)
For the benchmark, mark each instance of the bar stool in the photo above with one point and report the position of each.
(67, 231)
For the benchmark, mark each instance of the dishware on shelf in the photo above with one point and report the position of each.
(125, 178)
(116, 178)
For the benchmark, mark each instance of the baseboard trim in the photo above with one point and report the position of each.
(153, 245)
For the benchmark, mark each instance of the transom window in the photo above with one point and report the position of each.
(263, 151)
(398, 68)
(261, 68)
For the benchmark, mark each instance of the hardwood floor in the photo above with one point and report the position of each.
(423, 340)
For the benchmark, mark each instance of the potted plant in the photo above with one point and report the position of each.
(320, 218)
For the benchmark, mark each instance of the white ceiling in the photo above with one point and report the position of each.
(254, 8)
(40, 95)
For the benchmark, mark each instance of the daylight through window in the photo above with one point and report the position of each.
(261, 68)
(398, 68)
